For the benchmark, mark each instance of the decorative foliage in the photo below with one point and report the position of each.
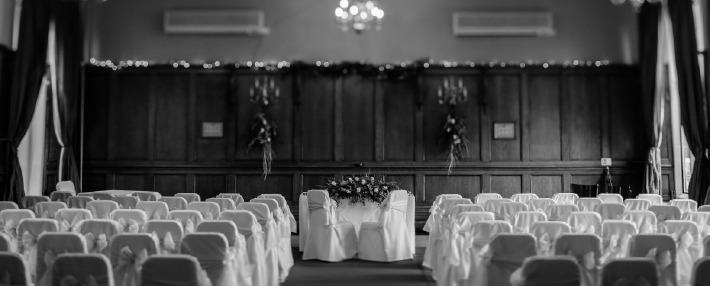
(454, 137)
(263, 129)
(360, 188)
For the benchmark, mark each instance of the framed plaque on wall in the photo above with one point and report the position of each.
(212, 130)
(504, 130)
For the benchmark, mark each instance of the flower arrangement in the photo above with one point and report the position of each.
(454, 137)
(263, 130)
(359, 188)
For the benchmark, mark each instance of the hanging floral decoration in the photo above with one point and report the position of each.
(452, 93)
(263, 129)
(359, 188)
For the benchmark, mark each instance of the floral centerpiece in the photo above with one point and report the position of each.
(359, 188)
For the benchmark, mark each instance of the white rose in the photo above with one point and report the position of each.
(333, 183)
(363, 182)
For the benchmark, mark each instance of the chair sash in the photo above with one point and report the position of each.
(129, 225)
(387, 209)
(129, 266)
(663, 259)
(167, 244)
(617, 244)
(10, 228)
(96, 244)
(29, 242)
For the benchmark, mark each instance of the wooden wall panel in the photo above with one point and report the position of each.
(635, 181)
(251, 186)
(405, 182)
(506, 185)
(545, 186)
(209, 186)
(169, 185)
(503, 99)
(584, 96)
(313, 182)
(137, 182)
(626, 118)
(544, 118)
(211, 105)
(130, 117)
(466, 186)
(588, 179)
(94, 182)
(171, 121)
(317, 119)
(97, 100)
(358, 111)
(399, 129)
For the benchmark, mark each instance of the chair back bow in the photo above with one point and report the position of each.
(10, 228)
(545, 244)
(208, 215)
(70, 280)
(166, 242)
(616, 241)
(29, 241)
(96, 244)
(156, 215)
(663, 259)
(188, 225)
(587, 260)
(682, 242)
(65, 226)
(129, 264)
(129, 225)
(646, 228)
(584, 228)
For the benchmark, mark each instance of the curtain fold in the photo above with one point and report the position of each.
(653, 91)
(693, 98)
(30, 60)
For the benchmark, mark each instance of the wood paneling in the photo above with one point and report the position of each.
(171, 107)
(584, 96)
(544, 118)
(404, 182)
(506, 186)
(587, 180)
(313, 182)
(209, 186)
(212, 105)
(467, 186)
(251, 186)
(545, 186)
(317, 119)
(130, 110)
(169, 185)
(399, 129)
(94, 182)
(358, 119)
(626, 121)
(97, 99)
(504, 106)
(136, 182)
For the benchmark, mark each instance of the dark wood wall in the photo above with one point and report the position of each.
(142, 131)
(6, 65)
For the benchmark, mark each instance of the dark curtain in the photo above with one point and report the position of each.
(69, 49)
(694, 101)
(648, 34)
(30, 60)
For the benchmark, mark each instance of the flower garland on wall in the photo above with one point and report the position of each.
(452, 93)
(263, 129)
(359, 188)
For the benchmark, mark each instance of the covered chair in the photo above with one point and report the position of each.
(5, 205)
(126, 202)
(507, 211)
(483, 234)
(5, 244)
(630, 271)
(236, 198)
(506, 254)
(154, 210)
(459, 209)
(251, 229)
(540, 204)
(493, 205)
(662, 249)
(209, 210)
(701, 272)
(68, 219)
(525, 219)
(211, 250)
(284, 208)
(637, 204)
(616, 236)
(49, 246)
(102, 196)
(15, 271)
(328, 238)
(665, 212)
(98, 234)
(685, 205)
(189, 219)
(48, 209)
(29, 202)
(283, 234)
(702, 219)
(29, 231)
(447, 206)
(66, 186)
(645, 221)
(586, 251)
(388, 239)
(589, 204)
(565, 198)
(131, 221)
(688, 244)
(147, 196)
(435, 209)
(168, 232)
(189, 197)
(82, 269)
(78, 202)
(223, 203)
(560, 212)
(174, 203)
(237, 247)
(60, 196)
(101, 209)
(523, 198)
(128, 252)
(271, 243)
(481, 198)
(543, 271)
(173, 270)
(585, 222)
(610, 198)
(612, 211)
(653, 199)
(705, 208)
(585, 191)
(547, 233)
(10, 219)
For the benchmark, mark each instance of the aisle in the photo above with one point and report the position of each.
(358, 272)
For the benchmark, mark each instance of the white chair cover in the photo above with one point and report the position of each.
(154, 210)
(284, 208)
(508, 211)
(436, 208)
(101, 209)
(328, 238)
(29, 231)
(5, 205)
(146, 196)
(630, 271)
(565, 198)
(484, 233)
(506, 255)
(78, 202)
(685, 205)
(662, 249)
(128, 253)
(589, 204)
(653, 199)
(462, 208)
(665, 212)
(616, 236)
(705, 208)
(189, 197)
(98, 234)
(237, 251)
(637, 204)
(439, 227)
(126, 202)
(209, 210)
(29, 202)
(560, 212)
(176, 270)
(447, 206)
(547, 233)
(60, 196)
(613, 211)
(645, 221)
(283, 235)
(131, 220)
(388, 239)
(236, 198)
(212, 251)
(540, 204)
(586, 251)
(48, 209)
(189, 219)
(224, 204)
(525, 219)
(702, 219)
(251, 229)
(303, 221)
(494, 206)
(66, 186)
(688, 246)
(271, 243)
(15, 271)
(101, 195)
(49, 246)
(9, 220)
(82, 269)
(483, 197)
(411, 217)
(174, 203)
(523, 198)
(611, 198)
(554, 270)
(585, 222)
(168, 233)
(68, 219)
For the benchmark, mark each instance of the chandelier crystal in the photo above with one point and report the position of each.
(452, 92)
(264, 91)
(359, 15)
(636, 3)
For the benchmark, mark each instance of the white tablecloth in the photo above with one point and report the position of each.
(357, 213)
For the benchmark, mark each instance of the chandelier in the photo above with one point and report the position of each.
(452, 92)
(636, 3)
(264, 91)
(358, 15)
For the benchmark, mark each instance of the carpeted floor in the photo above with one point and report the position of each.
(358, 272)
